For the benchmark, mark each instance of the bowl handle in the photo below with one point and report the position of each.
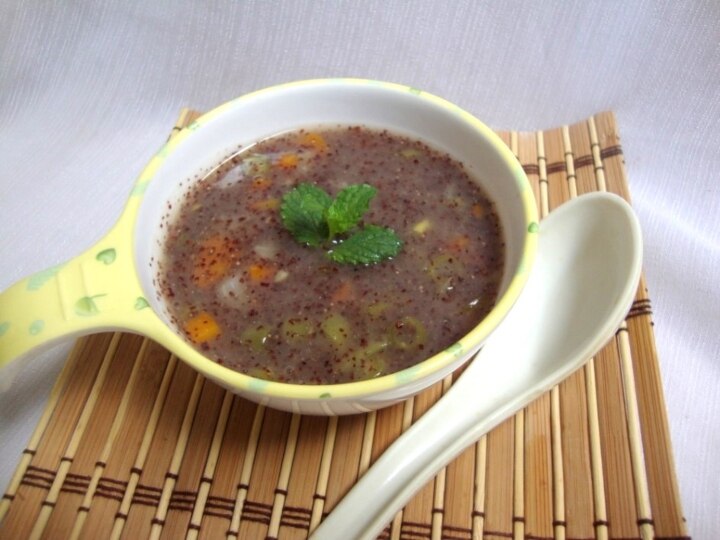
(97, 290)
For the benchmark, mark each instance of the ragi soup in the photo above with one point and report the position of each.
(247, 294)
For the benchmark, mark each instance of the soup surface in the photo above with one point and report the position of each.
(251, 297)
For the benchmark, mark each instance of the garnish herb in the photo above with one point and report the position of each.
(317, 220)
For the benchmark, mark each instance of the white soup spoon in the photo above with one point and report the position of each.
(579, 290)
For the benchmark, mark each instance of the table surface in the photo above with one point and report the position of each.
(88, 92)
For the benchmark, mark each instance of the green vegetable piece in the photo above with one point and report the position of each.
(296, 330)
(264, 373)
(256, 337)
(410, 153)
(367, 246)
(443, 270)
(337, 329)
(303, 214)
(409, 333)
(377, 309)
(141, 303)
(366, 362)
(348, 208)
(256, 164)
(376, 366)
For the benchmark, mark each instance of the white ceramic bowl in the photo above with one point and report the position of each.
(116, 287)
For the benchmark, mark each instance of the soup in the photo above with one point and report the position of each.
(246, 293)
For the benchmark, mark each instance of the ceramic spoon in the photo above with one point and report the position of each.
(579, 291)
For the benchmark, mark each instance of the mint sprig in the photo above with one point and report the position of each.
(303, 213)
(348, 208)
(317, 220)
(369, 245)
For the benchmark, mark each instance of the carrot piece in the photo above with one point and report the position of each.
(288, 161)
(202, 328)
(213, 259)
(477, 210)
(266, 204)
(261, 273)
(458, 243)
(344, 293)
(314, 140)
(260, 183)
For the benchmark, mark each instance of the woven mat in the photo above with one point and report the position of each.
(134, 444)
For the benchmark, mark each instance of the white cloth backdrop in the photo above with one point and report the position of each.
(89, 90)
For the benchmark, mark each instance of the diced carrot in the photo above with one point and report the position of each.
(458, 243)
(202, 328)
(261, 273)
(314, 140)
(477, 210)
(260, 183)
(288, 161)
(266, 204)
(344, 293)
(213, 259)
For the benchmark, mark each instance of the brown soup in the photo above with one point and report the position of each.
(252, 298)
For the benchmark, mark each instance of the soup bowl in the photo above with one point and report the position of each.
(112, 286)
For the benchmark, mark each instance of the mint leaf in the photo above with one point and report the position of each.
(303, 214)
(348, 208)
(315, 219)
(367, 246)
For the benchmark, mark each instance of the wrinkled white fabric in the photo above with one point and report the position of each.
(89, 90)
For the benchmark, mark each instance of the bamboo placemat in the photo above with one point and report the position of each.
(134, 444)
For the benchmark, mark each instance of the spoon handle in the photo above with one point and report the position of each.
(412, 460)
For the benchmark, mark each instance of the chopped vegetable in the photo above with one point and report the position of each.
(262, 373)
(255, 164)
(266, 204)
(477, 210)
(314, 140)
(260, 183)
(421, 227)
(288, 161)
(261, 273)
(231, 292)
(408, 333)
(366, 362)
(410, 153)
(214, 257)
(458, 243)
(202, 328)
(336, 328)
(344, 293)
(443, 269)
(256, 337)
(281, 275)
(377, 309)
(266, 251)
(297, 330)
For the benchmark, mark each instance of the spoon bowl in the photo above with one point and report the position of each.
(579, 290)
